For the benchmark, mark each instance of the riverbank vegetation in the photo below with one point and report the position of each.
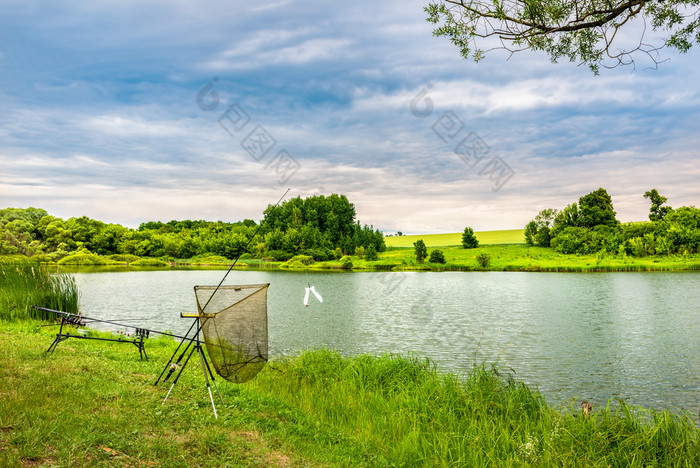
(322, 227)
(589, 226)
(24, 283)
(483, 258)
(98, 406)
(584, 236)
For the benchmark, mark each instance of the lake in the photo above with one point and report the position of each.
(591, 336)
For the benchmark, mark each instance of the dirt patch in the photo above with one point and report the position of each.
(270, 456)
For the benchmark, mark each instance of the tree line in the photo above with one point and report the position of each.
(590, 226)
(322, 227)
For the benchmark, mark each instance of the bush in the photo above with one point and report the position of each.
(436, 256)
(319, 254)
(84, 259)
(303, 259)
(572, 240)
(346, 263)
(338, 253)
(483, 259)
(292, 263)
(278, 255)
(635, 247)
(371, 253)
(150, 262)
(209, 259)
(123, 258)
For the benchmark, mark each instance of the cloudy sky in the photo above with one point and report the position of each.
(129, 111)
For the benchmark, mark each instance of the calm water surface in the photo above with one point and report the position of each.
(634, 336)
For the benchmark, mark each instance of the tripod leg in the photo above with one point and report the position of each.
(59, 337)
(179, 374)
(213, 380)
(170, 362)
(52, 348)
(205, 367)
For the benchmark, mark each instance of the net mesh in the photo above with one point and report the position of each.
(235, 328)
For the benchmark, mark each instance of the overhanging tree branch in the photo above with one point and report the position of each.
(584, 31)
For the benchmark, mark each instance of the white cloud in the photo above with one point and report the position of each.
(264, 51)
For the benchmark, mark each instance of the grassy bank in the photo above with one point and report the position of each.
(499, 257)
(94, 404)
(529, 258)
(509, 236)
(24, 283)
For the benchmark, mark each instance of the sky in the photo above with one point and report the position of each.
(132, 111)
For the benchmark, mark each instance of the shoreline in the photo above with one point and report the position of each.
(503, 257)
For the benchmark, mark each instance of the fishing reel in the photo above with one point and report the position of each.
(74, 320)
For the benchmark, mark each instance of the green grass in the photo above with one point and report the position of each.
(24, 283)
(527, 258)
(510, 236)
(94, 404)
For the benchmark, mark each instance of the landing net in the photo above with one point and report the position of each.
(235, 328)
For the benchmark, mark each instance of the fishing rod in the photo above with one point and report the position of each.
(174, 366)
(79, 320)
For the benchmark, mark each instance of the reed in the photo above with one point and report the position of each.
(24, 283)
(410, 414)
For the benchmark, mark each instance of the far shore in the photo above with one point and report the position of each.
(516, 257)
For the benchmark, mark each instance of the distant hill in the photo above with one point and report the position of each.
(510, 236)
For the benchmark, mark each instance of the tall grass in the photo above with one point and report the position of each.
(412, 415)
(317, 409)
(24, 283)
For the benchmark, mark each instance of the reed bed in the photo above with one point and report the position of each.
(24, 283)
(410, 414)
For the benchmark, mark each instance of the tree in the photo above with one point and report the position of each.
(596, 208)
(469, 240)
(317, 225)
(585, 31)
(371, 253)
(657, 212)
(436, 256)
(538, 230)
(530, 232)
(569, 216)
(346, 263)
(420, 249)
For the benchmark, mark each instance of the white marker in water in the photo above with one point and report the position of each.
(306, 295)
(318, 296)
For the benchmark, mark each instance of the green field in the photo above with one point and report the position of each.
(509, 236)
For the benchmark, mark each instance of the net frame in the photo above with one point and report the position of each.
(235, 330)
